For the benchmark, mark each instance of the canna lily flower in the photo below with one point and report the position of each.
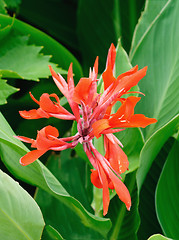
(93, 113)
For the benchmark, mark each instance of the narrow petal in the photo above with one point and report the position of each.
(121, 190)
(127, 82)
(128, 73)
(30, 157)
(108, 77)
(25, 139)
(33, 98)
(106, 198)
(70, 80)
(60, 82)
(31, 114)
(111, 57)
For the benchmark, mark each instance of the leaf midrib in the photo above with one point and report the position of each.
(147, 30)
(15, 224)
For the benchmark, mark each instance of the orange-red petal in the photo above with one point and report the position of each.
(108, 77)
(121, 189)
(30, 157)
(31, 114)
(99, 126)
(111, 57)
(81, 90)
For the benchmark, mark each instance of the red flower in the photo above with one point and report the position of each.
(92, 111)
(47, 139)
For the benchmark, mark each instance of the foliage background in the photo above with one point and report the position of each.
(34, 34)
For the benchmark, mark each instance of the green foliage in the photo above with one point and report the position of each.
(33, 39)
(5, 91)
(18, 211)
(69, 171)
(37, 174)
(167, 199)
(158, 237)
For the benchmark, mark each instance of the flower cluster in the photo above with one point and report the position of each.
(93, 113)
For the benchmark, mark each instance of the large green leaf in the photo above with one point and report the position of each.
(73, 174)
(149, 223)
(38, 175)
(155, 44)
(158, 237)
(156, 38)
(5, 91)
(153, 146)
(20, 60)
(60, 55)
(20, 216)
(167, 198)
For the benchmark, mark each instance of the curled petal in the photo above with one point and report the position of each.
(95, 179)
(47, 105)
(49, 130)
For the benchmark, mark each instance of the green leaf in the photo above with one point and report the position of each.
(51, 233)
(60, 55)
(167, 198)
(149, 223)
(152, 147)
(31, 64)
(125, 223)
(157, 47)
(73, 174)
(158, 237)
(37, 174)
(122, 63)
(20, 216)
(103, 22)
(5, 91)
